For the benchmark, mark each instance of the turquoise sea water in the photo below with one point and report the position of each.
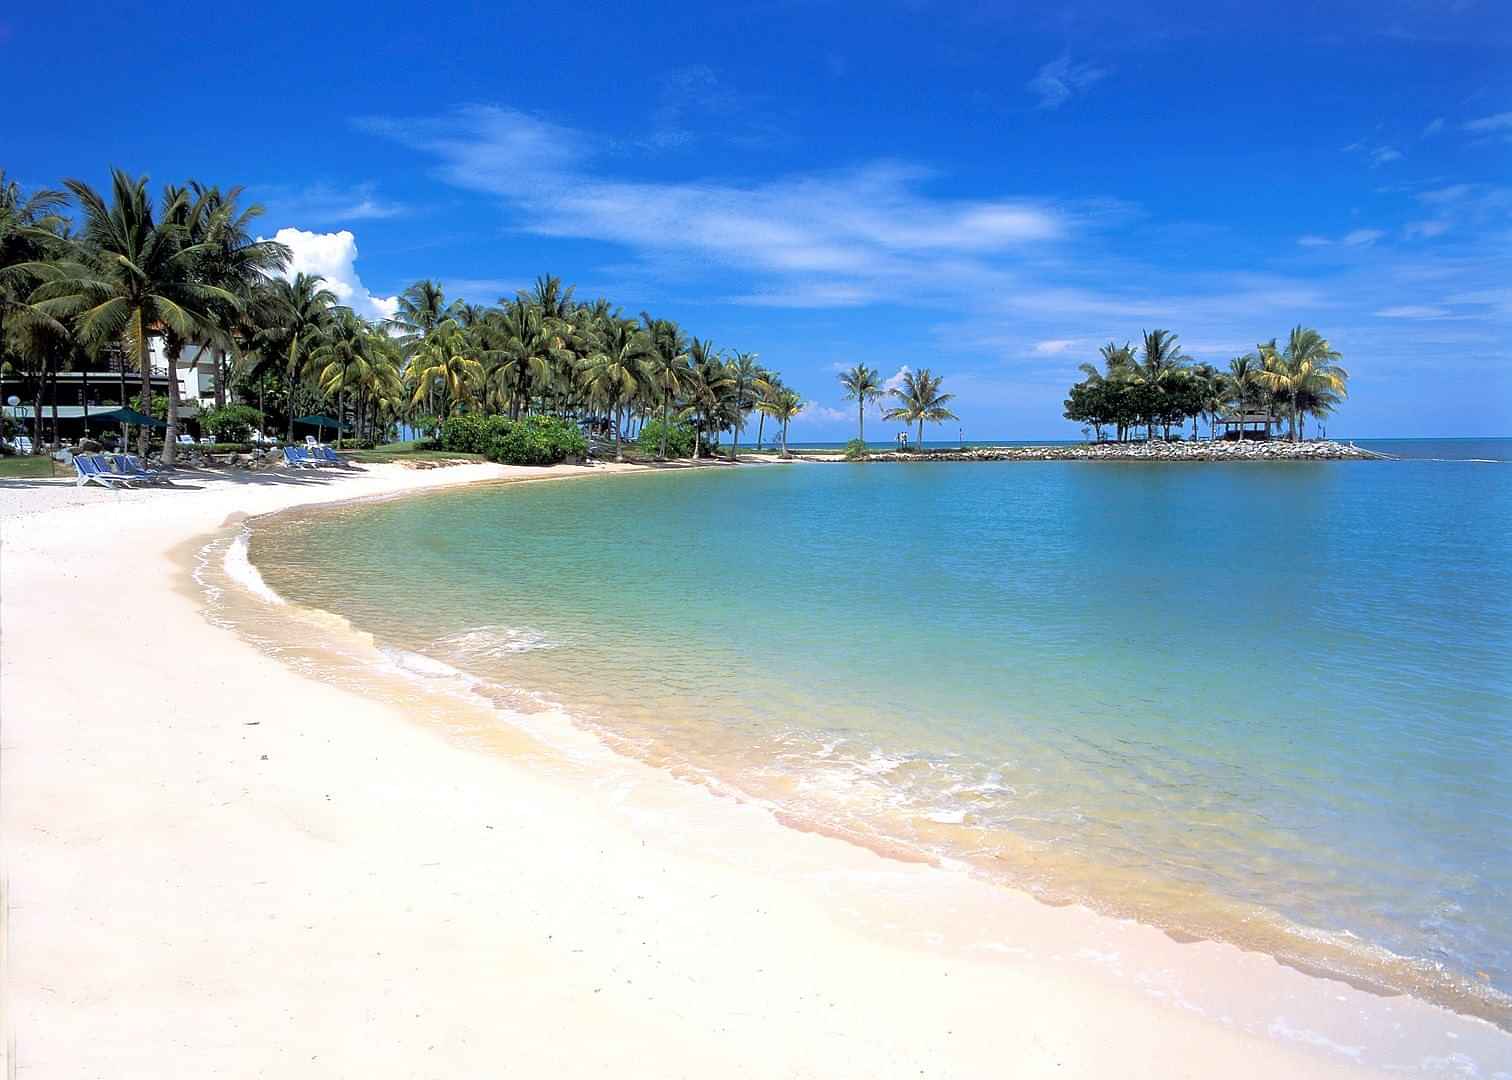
(1265, 702)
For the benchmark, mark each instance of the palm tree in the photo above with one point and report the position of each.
(1209, 385)
(666, 367)
(29, 227)
(342, 359)
(1164, 363)
(444, 362)
(614, 372)
(862, 385)
(298, 311)
(132, 273)
(1305, 376)
(1119, 367)
(237, 263)
(744, 374)
(919, 400)
(782, 406)
(708, 381)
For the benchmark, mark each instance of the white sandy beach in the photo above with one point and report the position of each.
(216, 866)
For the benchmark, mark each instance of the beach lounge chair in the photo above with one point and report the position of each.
(331, 457)
(131, 467)
(185, 440)
(88, 470)
(295, 457)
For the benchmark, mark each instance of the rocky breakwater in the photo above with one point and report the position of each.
(1278, 450)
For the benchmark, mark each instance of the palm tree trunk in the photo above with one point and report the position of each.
(340, 408)
(760, 430)
(784, 438)
(289, 373)
(666, 422)
(37, 409)
(170, 434)
(920, 447)
(861, 422)
(618, 453)
(144, 359)
(221, 368)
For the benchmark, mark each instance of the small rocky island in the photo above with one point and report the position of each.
(1154, 450)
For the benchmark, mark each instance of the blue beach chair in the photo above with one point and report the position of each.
(296, 457)
(131, 467)
(89, 470)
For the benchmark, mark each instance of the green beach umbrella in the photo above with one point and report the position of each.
(126, 415)
(323, 422)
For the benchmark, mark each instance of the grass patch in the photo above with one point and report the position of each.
(27, 467)
(407, 451)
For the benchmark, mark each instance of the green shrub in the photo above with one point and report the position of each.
(855, 450)
(538, 440)
(231, 423)
(679, 439)
(472, 433)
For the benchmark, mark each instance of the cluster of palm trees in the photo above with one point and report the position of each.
(919, 396)
(1159, 386)
(544, 351)
(187, 268)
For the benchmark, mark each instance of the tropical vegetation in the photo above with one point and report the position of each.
(1159, 387)
(91, 279)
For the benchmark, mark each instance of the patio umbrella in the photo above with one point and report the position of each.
(323, 422)
(127, 415)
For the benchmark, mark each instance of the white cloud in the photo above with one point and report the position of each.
(824, 414)
(824, 239)
(1311, 240)
(333, 256)
(1054, 346)
(1381, 155)
(1451, 194)
(1487, 124)
(1060, 80)
(1413, 311)
(1435, 126)
(895, 380)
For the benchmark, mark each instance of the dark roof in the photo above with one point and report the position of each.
(1249, 418)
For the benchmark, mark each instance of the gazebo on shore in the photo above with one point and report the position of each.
(1252, 425)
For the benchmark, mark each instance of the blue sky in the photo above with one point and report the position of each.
(987, 190)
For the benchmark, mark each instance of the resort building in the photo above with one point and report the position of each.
(71, 396)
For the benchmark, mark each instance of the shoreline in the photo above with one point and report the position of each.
(1154, 450)
(117, 823)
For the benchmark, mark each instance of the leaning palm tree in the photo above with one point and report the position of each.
(863, 385)
(132, 273)
(1304, 375)
(782, 407)
(614, 374)
(29, 227)
(919, 399)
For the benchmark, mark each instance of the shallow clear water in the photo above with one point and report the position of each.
(1265, 702)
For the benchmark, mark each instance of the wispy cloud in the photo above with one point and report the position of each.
(1413, 311)
(325, 204)
(1377, 154)
(1435, 126)
(1063, 79)
(822, 239)
(1054, 346)
(1496, 122)
(1356, 238)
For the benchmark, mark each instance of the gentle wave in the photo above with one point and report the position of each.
(239, 568)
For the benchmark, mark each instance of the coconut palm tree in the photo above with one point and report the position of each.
(614, 373)
(920, 399)
(131, 272)
(444, 361)
(782, 407)
(708, 382)
(1209, 385)
(237, 263)
(666, 367)
(29, 231)
(1305, 376)
(297, 312)
(341, 359)
(863, 385)
(744, 374)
